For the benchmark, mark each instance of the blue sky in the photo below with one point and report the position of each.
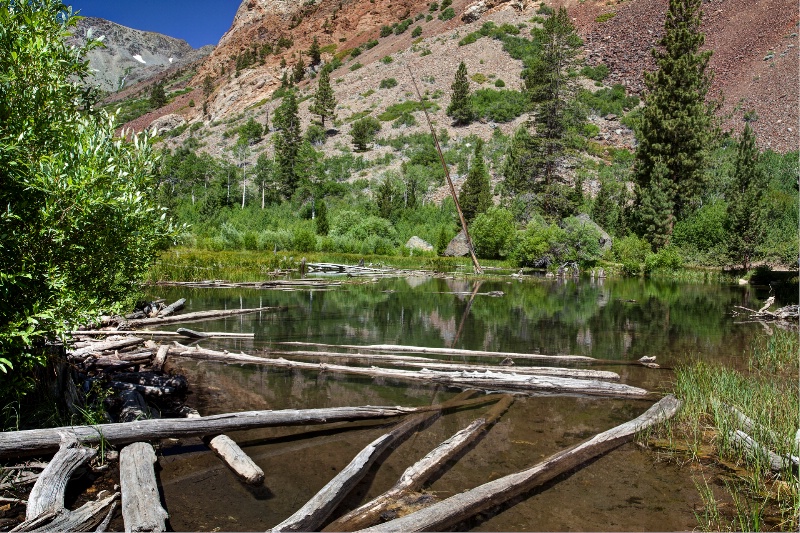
(198, 22)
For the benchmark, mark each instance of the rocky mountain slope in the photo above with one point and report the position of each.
(130, 55)
(755, 59)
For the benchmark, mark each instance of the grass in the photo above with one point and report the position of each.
(767, 393)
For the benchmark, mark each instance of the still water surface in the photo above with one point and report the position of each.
(613, 320)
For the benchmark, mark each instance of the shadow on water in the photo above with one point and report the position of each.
(612, 320)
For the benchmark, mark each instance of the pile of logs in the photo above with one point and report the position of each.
(786, 316)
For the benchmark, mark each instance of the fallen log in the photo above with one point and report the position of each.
(141, 504)
(159, 333)
(777, 463)
(311, 515)
(47, 495)
(160, 358)
(41, 441)
(232, 455)
(451, 511)
(104, 524)
(427, 362)
(449, 351)
(419, 473)
(199, 315)
(145, 390)
(99, 347)
(84, 518)
(151, 379)
(504, 381)
(171, 308)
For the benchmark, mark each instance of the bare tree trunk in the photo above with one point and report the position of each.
(141, 503)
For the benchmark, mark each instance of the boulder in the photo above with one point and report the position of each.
(458, 246)
(605, 238)
(415, 243)
(167, 123)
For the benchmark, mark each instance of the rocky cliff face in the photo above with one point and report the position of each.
(131, 55)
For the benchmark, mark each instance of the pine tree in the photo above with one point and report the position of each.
(677, 124)
(315, 53)
(460, 109)
(299, 70)
(287, 143)
(748, 185)
(158, 98)
(208, 86)
(476, 193)
(321, 221)
(386, 198)
(324, 103)
(553, 92)
(654, 208)
(517, 173)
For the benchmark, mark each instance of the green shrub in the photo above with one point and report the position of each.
(499, 83)
(372, 43)
(305, 240)
(363, 132)
(582, 241)
(386, 60)
(469, 39)
(406, 119)
(355, 52)
(388, 83)
(631, 251)
(539, 245)
(447, 14)
(493, 233)
(355, 66)
(704, 230)
(606, 101)
(597, 73)
(479, 78)
(417, 32)
(667, 258)
(403, 26)
(499, 105)
(386, 31)
(394, 111)
(315, 134)
(605, 17)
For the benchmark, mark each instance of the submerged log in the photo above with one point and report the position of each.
(171, 308)
(199, 315)
(133, 407)
(141, 504)
(145, 390)
(151, 379)
(40, 441)
(418, 474)
(427, 362)
(450, 351)
(504, 381)
(311, 516)
(47, 495)
(451, 511)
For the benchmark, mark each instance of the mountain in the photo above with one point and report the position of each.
(128, 55)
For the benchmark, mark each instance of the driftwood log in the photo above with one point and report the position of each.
(199, 315)
(160, 358)
(41, 441)
(232, 455)
(451, 511)
(159, 333)
(450, 351)
(84, 518)
(141, 504)
(505, 381)
(47, 495)
(99, 347)
(312, 515)
(427, 362)
(777, 463)
(418, 474)
(171, 308)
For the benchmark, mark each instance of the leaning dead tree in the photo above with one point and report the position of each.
(451, 511)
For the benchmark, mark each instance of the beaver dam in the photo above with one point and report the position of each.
(386, 403)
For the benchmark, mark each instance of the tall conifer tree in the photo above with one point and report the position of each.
(287, 143)
(324, 103)
(677, 123)
(476, 193)
(459, 108)
(743, 205)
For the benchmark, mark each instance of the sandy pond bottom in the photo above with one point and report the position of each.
(626, 489)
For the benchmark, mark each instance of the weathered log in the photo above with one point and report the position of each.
(40, 441)
(111, 363)
(484, 380)
(311, 515)
(449, 512)
(47, 495)
(449, 351)
(139, 357)
(145, 390)
(104, 524)
(749, 427)
(160, 358)
(427, 362)
(159, 333)
(199, 315)
(151, 379)
(777, 462)
(171, 308)
(192, 334)
(24, 478)
(419, 473)
(99, 347)
(133, 407)
(141, 504)
(84, 518)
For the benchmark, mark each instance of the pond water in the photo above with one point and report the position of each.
(614, 320)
